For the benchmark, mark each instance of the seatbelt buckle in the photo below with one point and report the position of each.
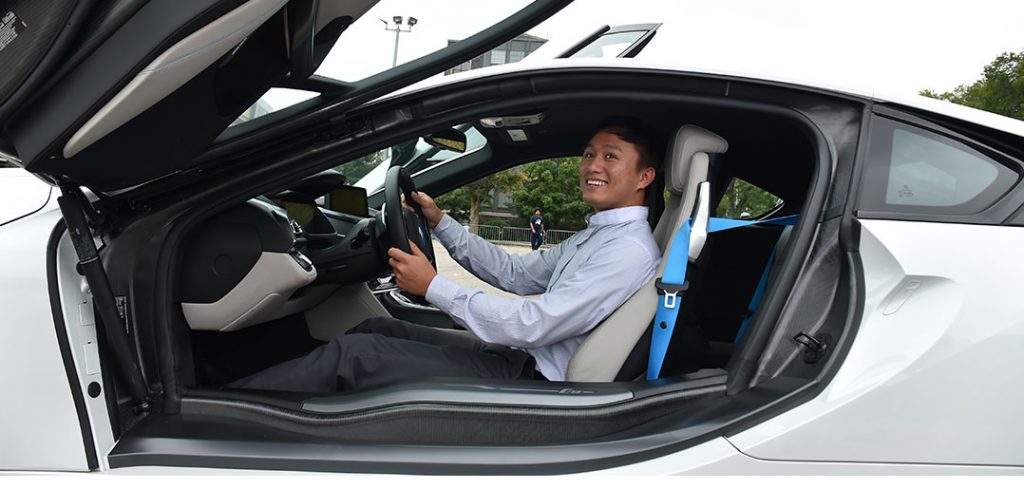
(671, 291)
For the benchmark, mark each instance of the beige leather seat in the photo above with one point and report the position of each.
(686, 165)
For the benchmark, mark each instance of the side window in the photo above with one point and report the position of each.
(912, 170)
(743, 200)
(614, 42)
(609, 45)
(507, 199)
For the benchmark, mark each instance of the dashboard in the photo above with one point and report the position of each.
(271, 257)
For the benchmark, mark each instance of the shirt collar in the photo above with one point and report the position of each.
(617, 216)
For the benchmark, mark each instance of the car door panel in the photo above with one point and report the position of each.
(39, 415)
(921, 361)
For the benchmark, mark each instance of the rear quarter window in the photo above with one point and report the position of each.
(919, 172)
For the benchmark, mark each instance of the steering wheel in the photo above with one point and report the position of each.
(400, 223)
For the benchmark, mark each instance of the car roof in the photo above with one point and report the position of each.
(918, 102)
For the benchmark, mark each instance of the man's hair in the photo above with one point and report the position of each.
(644, 137)
(536, 209)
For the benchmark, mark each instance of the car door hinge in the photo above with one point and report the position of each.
(814, 347)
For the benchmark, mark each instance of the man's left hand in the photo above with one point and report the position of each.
(413, 272)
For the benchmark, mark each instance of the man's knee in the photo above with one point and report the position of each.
(370, 325)
(368, 359)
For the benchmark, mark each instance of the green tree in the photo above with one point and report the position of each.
(1000, 90)
(354, 170)
(465, 202)
(743, 197)
(552, 185)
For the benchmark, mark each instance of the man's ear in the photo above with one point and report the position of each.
(647, 176)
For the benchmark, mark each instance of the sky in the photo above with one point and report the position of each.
(895, 47)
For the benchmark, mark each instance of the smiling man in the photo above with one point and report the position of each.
(577, 284)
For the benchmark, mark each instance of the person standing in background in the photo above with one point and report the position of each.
(536, 229)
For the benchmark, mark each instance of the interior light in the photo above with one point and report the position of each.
(517, 135)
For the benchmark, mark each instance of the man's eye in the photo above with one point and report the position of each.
(611, 156)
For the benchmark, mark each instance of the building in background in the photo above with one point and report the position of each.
(510, 52)
(500, 208)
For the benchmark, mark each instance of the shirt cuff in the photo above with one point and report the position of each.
(447, 229)
(441, 292)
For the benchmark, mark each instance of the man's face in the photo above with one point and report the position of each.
(610, 173)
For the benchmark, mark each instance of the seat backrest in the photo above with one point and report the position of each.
(602, 355)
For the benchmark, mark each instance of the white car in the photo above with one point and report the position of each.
(880, 333)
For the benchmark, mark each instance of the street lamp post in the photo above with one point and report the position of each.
(398, 30)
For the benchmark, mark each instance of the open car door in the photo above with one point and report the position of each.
(114, 97)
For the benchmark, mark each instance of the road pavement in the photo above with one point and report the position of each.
(446, 266)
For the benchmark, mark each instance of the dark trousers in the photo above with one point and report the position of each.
(536, 240)
(386, 350)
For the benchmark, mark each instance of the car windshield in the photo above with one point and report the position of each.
(368, 171)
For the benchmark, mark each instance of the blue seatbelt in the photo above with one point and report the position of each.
(755, 301)
(670, 284)
(673, 282)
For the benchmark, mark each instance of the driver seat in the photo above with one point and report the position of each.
(602, 355)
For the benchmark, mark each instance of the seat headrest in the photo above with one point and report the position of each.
(688, 141)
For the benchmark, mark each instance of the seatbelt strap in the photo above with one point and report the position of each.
(673, 282)
(755, 301)
(670, 285)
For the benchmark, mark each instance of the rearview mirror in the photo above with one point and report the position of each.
(448, 139)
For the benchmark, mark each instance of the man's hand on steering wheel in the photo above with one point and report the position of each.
(413, 272)
(431, 212)
(411, 253)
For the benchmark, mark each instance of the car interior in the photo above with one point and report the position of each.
(274, 277)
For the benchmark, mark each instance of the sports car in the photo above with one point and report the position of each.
(185, 229)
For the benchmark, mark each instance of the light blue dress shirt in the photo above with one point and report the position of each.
(579, 282)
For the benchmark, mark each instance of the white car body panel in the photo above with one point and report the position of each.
(720, 458)
(939, 325)
(38, 419)
(80, 323)
(23, 193)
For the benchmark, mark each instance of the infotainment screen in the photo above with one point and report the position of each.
(301, 212)
(349, 200)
